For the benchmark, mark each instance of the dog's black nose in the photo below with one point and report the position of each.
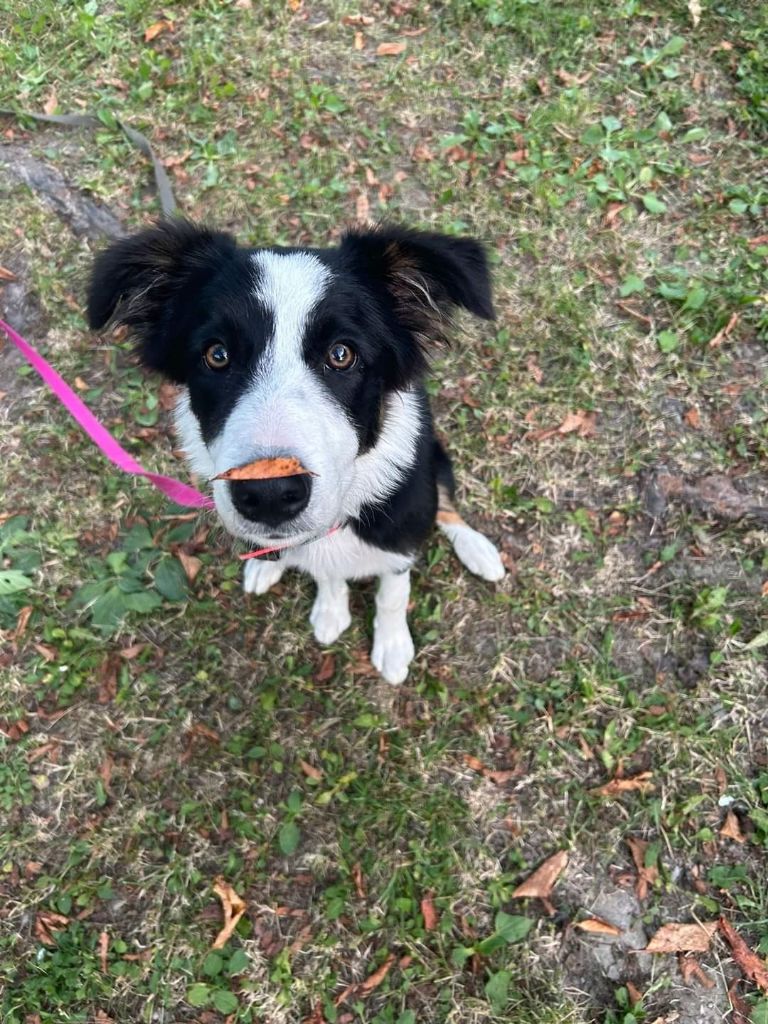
(271, 502)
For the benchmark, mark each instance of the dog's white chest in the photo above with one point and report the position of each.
(343, 555)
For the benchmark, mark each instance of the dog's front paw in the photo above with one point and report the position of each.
(260, 576)
(392, 653)
(478, 554)
(329, 619)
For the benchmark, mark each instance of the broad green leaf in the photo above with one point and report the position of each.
(213, 964)
(238, 962)
(653, 204)
(143, 602)
(631, 284)
(225, 1002)
(611, 124)
(289, 837)
(12, 581)
(171, 580)
(668, 341)
(513, 927)
(497, 990)
(198, 995)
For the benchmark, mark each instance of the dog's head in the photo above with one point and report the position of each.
(291, 352)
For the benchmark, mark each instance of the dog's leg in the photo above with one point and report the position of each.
(472, 548)
(330, 612)
(260, 576)
(392, 644)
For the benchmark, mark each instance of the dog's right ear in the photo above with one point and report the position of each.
(135, 280)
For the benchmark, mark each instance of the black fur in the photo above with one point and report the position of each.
(180, 287)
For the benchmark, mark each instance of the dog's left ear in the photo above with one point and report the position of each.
(426, 274)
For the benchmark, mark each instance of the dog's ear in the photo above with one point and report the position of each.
(135, 281)
(427, 274)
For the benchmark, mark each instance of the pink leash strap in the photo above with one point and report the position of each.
(177, 491)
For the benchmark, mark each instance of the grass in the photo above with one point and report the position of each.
(159, 732)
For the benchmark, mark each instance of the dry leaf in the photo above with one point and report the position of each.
(615, 787)
(750, 963)
(570, 80)
(535, 370)
(327, 668)
(371, 982)
(190, 565)
(233, 907)
(732, 829)
(129, 653)
(634, 993)
(646, 876)
(357, 19)
(359, 40)
(692, 417)
(7, 275)
(429, 913)
(362, 208)
(357, 877)
(389, 49)
(156, 28)
(723, 333)
(541, 883)
(596, 926)
(310, 771)
(580, 421)
(690, 968)
(103, 951)
(694, 9)
(742, 1011)
(265, 469)
(47, 923)
(682, 938)
(51, 103)
(477, 765)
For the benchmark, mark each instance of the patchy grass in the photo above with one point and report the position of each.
(159, 732)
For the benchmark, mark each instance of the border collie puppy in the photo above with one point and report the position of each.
(318, 354)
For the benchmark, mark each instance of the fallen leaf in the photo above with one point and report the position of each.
(682, 938)
(362, 208)
(103, 952)
(327, 668)
(357, 19)
(7, 275)
(108, 679)
(154, 30)
(570, 80)
(535, 370)
(47, 923)
(634, 993)
(596, 926)
(732, 829)
(580, 422)
(359, 40)
(541, 883)
(692, 417)
(233, 907)
(492, 774)
(690, 968)
(389, 49)
(694, 9)
(742, 1011)
(266, 469)
(636, 783)
(723, 333)
(190, 565)
(357, 877)
(750, 963)
(51, 103)
(646, 876)
(310, 771)
(129, 653)
(371, 982)
(429, 913)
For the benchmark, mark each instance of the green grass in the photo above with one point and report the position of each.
(158, 733)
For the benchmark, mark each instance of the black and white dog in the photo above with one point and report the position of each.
(316, 354)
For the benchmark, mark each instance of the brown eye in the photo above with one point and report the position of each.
(340, 357)
(216, 356)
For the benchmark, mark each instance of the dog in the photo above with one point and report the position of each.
(318, 355)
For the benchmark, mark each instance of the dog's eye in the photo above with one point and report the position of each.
(216, 356)
(340, 357)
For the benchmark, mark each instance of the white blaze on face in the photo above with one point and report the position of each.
(287, 410)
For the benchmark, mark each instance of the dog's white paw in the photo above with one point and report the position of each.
(260, 576)
(329, 619)
(392, 653)
(477, 553)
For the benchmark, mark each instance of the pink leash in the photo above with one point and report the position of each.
(177, 491)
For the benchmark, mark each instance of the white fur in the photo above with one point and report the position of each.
(392, 644)
(474, 550)
(330, 612)
(259, 577)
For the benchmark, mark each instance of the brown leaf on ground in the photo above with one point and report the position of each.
(359, 41)
(732, 829)
(104, 951)
(682, 938)
(637, 783)
(541, 883)
(535, 370)
(570, 80)
(389, 49)
(108, 679)
(646, 876)
(429, 913)
(156, 28)
(357, 19)
(129, 653)
(742, 1011)
(596, 926)
(51, 102)
(7, 275)
(310, 771)
(692, 417)
(723, 333)
(190, 565)
(47, 923)
(102, 1018)
(362, 208)
(327, 668)
(357, 878)
(580, 422)
(690, 969)
(634, 993)
(265, 469)
(371, 982)
(752, 967)
(233, 907)
(494, 775)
